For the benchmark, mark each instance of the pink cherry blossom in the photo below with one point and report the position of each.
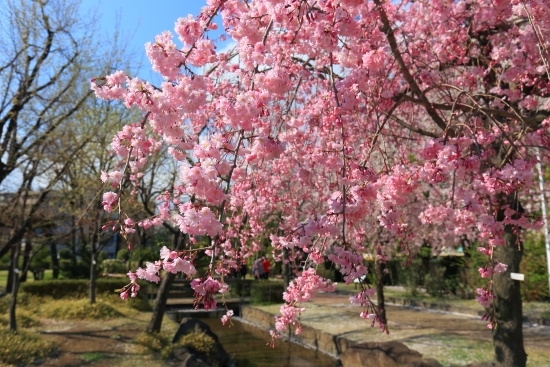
(179, 265)
(334, 129)
(227, 317)
(109, 201)
(150, 273)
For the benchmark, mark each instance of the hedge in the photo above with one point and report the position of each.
(267, 292)
(61, 288)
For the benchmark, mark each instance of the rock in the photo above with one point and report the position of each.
(187, 357)
(386, 354)
(183, 357)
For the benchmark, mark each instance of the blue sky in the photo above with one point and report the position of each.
(141, 20)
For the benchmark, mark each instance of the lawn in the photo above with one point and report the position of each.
(4, 277)
(533, 309)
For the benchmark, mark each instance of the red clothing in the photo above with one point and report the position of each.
(267, 266)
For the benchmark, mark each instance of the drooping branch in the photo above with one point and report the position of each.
(413, 85)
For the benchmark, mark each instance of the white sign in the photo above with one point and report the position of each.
(517, 276)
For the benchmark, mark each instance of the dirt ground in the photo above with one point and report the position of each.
(98, 344)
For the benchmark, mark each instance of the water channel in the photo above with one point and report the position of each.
(248, 345)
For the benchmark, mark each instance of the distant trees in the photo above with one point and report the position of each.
(43, 66)
(49, 53)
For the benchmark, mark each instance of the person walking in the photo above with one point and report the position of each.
(258, 269)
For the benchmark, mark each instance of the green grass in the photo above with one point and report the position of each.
(451, 350)
(455, 350)
(4, 277)
(92, 357)
(533, 309)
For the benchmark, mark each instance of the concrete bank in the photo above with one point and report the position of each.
(331, 324)
(310, 337)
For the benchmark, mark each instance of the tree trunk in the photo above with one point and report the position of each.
(162, 294)
(92, 278)
(74, 243)
(93, 266)
(379, 265)
(508, 333)
(14, 254)
(26, 260)
(160, 303)
(55, 260)
(14, 290)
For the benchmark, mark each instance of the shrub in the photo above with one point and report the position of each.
(411, 276)
(199, 342)
(79, 288)
(123, 255)
(439, 284)
(57, 288)
(326, 271)
(113, 266)
(143, 254)
(24, 319)
(67, 270)
(79, 310)
(61, 288)
(140, 303)
(151, 341)
(436, 284)
(267, 292)
(154, 343)
(239, 287)
(23, 347)
(41, 259)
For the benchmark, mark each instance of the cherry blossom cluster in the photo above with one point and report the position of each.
(197, 221)
(205, 289)
(170, 261)
(300, 290)
(370, 310)
(485, 298)
(227, 317)
(265, 148)
(110, 200)
(131, 289)
(351, 263)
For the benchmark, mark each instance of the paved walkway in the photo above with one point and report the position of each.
(331, 323)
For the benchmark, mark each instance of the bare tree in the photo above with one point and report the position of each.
(49, 53)
(81, 188)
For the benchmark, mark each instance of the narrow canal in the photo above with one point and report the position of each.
(248, 345)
